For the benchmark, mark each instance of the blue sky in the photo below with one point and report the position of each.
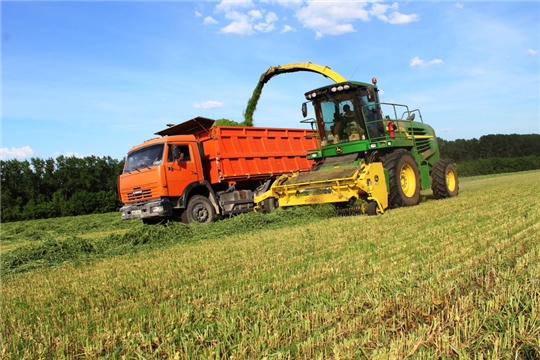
(95, 78)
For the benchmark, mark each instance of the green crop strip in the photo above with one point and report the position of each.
(41, 243)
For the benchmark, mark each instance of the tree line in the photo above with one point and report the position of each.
(66, 186)
(493, 154)
(490, 146)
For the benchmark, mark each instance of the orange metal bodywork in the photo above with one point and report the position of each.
(227, 154)
(241, 153)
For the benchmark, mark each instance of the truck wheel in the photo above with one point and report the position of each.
(199, 210)
(404, 178)
(444, 179)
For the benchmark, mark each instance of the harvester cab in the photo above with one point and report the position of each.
(380, 153)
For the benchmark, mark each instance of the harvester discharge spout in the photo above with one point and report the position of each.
(282, 69)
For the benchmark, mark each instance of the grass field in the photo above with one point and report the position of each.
(456, 278)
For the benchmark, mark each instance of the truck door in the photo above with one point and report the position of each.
(182, 171)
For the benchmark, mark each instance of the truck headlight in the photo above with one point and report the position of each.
(156, 209)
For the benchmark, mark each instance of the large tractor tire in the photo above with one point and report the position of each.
(404, 178)
(199, 209)
(444, 179)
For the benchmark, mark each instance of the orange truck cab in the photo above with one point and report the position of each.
(196, 170)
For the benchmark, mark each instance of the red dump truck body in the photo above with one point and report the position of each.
(196, 170)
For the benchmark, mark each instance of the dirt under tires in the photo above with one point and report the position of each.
(444, 179)
(404, 178)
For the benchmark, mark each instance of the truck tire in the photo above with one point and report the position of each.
(444, 179)
(404, 178)
(199, 209)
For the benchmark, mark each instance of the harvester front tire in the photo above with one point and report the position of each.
(444, 179)
(404, 178)
(268, 205)
(372, 208)
(199, 209)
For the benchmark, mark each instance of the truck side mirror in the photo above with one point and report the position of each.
(304, 109)
(175, 152)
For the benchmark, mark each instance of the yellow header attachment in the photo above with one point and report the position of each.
(305, 66)
(339, 185)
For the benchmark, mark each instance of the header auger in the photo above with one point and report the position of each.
(368, 150)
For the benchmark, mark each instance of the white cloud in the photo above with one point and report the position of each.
(330, 18)
(336, 18)
(240, 25)
(210, 104)
(255, 14)
(460, 5)
(397, 18)
(198, 14)
(209, 21)
(323, 17)
(228, 5)
(16, 153)
(287, 28)
(532, 52)
(246, 23)
(419, 63)
(268, 25)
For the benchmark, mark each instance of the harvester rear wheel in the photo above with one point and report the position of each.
(199, 210)
(404, 178)
(444, 179)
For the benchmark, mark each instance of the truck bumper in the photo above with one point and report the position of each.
(150, 209)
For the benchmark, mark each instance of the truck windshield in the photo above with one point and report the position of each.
(144, 158)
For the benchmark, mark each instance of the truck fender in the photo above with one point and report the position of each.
(193, 188)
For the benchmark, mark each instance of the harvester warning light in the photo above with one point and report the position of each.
(374, 81)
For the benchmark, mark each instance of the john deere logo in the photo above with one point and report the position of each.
(339, 150)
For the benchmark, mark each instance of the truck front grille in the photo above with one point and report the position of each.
(139, 194)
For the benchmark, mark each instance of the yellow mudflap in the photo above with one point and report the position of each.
(338, 185)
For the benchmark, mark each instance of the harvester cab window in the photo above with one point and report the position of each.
(144, 158)
(342, 121)
(184, 154)
(371, 113)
